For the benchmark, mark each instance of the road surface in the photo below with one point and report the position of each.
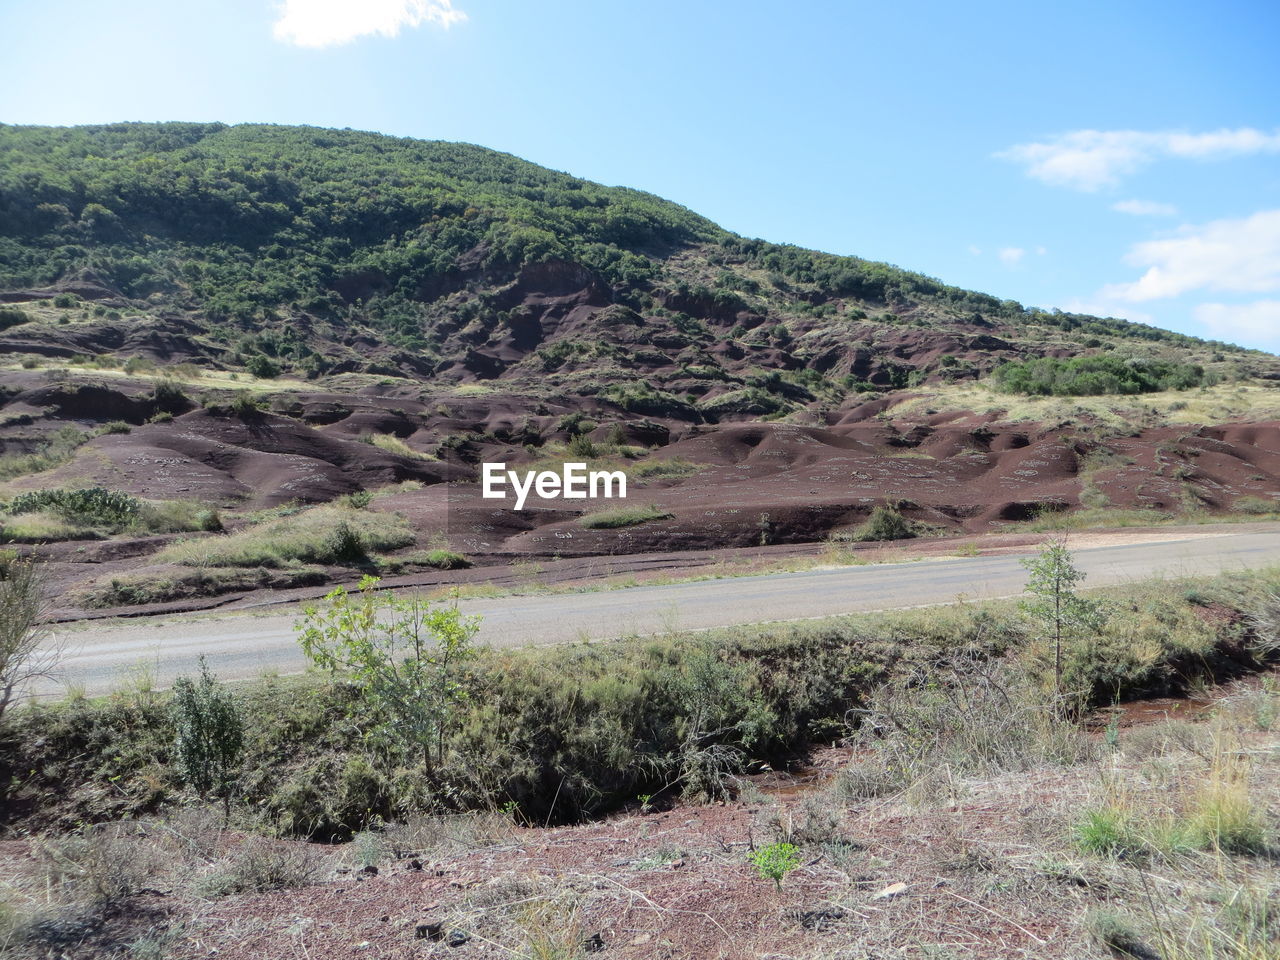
(100, 657)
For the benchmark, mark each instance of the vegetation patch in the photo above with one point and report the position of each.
(623, 517)
(92, 513)
(143, 588)
(58, 449)
(664, 469)
(1097, 375)
(571, 731)
(326, 534)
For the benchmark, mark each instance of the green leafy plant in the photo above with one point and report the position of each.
(1060, 612)
(407, 656)
(209, 735)
(775, 861)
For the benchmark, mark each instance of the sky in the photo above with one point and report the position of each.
(1111, 158)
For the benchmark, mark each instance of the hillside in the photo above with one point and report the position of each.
(335, 251)
(222, 322)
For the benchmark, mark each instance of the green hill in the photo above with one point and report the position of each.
(316, 251)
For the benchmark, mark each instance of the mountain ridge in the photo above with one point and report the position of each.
(455, 260)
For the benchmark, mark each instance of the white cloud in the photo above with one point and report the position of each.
(328, 23)
(1090, 159)
(975, 250)
(1011, 255)
(1239, 256)
(1258, 322)
(1145, 208)
(1041, 251)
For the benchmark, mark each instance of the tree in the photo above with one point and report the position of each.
(210, 735)
(407, 656)
(24, 653)
(1060, 611)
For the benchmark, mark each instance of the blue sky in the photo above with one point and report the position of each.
(1121, 158)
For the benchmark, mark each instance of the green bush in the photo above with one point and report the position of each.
(344, 545)
(262, 367)
(885, 523)
(1257, 506)
(169, 396)
(94, 505)
(1102, 374)
(11, 317)
(443, 560)
(775, 861)
(245, 405)
(208, 735)
(581, 446)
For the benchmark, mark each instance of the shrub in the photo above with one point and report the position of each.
(262, 367)
(169, 397)
(662, 469)
(1096, 375)
(245, 405)
(961, 713)
(775, 861)
(343, 544)
(581, 446)
(359, 499)
(209, 521)
(1256, 506)
(259, 866)
(885, 523)
(209, 735)
(307, 536)
(22, 613)
(11, 317)
(405, 655)
(94, 505)
(443, 559)
(393, 444)
(115, 426)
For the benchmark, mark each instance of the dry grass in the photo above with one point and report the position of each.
(292, 539)
(1253, 400)
(393, 444)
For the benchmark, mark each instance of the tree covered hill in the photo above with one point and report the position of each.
(314, 250)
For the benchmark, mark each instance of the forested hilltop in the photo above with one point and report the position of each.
(313, 251)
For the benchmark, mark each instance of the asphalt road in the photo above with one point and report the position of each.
(101, 657)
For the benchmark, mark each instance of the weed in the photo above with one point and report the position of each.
(258, 866)
(775, 861)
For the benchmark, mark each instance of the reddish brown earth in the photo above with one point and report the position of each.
(753, 484)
